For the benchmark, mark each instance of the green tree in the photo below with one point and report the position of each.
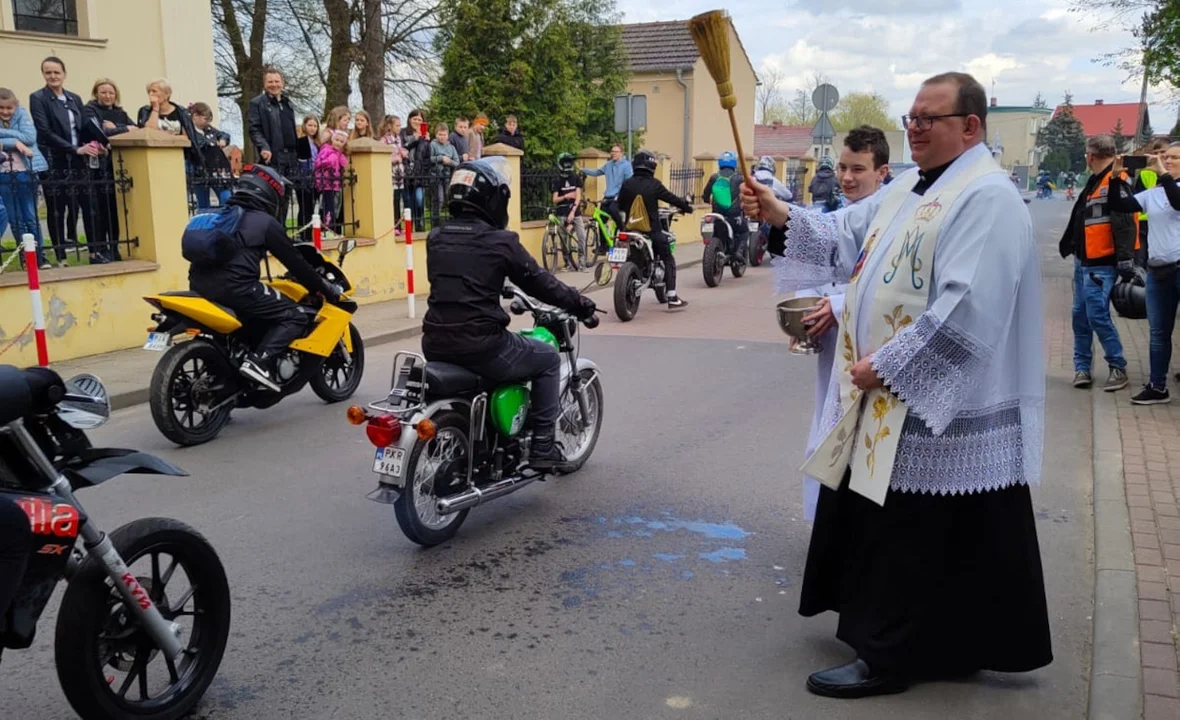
(863, 108)
(1122, 143)
(1175, 133)
(1057, 161)
(1064, 134)
(555, 64)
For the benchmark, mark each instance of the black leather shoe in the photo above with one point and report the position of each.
(854, 680)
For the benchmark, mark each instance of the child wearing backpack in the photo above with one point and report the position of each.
(722, 191)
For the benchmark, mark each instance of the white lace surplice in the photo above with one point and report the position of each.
(970, 368)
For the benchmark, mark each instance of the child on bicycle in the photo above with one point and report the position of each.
(567, 197)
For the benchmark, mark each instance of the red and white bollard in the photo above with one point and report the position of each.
(35, 297)
(317, 237)
(408, 221)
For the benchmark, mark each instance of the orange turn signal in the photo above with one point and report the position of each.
(192, 331)
(355, 415)
(426, 429)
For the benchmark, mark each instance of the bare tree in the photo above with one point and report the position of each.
(800, 110)
(239, 34)
(769, 95)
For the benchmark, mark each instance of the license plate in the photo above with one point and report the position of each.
(157, 342)
(617, 255)
(389, 461)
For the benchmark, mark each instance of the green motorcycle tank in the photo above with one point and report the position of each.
(509, 404)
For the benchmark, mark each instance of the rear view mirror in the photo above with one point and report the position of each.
(345, 247)
(86, 404)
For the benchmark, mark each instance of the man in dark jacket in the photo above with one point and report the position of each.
(640, 200)
(467, 262)
(511, 134)
(235, 282)
(272, 124)
(1103, 244)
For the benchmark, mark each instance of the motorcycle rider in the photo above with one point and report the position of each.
(640, 200)
(468, 259)
(722, 192)
(16, 538)
(225, 249)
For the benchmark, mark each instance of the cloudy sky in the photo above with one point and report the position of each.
(890, 46)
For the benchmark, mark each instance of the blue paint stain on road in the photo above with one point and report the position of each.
(724, 555)
(572, 601)
(667, 557)
(627, 562)
(688, 575)
(713, 531)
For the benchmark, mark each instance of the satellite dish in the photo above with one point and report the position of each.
(825, 98)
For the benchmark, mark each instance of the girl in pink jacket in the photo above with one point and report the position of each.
(330, 165)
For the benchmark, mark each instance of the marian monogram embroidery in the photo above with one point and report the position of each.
(909, 254)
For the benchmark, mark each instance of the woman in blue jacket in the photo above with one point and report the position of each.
(20, 161)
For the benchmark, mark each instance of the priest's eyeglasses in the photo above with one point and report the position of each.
(925, 122)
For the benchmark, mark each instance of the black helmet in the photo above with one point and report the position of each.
(481, 188)
(644, 162)
(261, 188)
(1130, 296)
(565, 161)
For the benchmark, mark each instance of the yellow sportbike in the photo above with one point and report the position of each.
(196, 384)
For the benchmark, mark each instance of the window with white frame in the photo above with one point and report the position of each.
(57, 17)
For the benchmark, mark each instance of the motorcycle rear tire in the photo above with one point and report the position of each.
(319, 381)
(404, 508)
(85, 612)
(160, 395)
(759, 246)
(711, 266)
(626, 300)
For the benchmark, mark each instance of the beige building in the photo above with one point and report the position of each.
(684, 115)
(129, 41)
(1014, 129)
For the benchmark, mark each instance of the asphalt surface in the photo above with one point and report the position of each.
(661, 581)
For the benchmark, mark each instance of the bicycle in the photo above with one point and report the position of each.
(559, 240)
(600, 233)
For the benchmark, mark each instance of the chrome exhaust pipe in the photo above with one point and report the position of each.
(476, 496)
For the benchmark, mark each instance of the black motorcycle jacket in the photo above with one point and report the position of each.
(467, 261)
(652, 191)
(258, 234)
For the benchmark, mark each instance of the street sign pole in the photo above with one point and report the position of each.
(630, 124)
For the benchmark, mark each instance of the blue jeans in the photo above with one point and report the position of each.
(18, 194)
(1162, 298)
(1091, 316)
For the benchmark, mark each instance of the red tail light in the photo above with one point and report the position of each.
(383, 430)
(623, 236)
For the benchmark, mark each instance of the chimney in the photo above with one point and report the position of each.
(1097, 102)
(993, 103)
(777, 123)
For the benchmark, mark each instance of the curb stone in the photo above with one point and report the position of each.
(1116, 674)
(139, 396)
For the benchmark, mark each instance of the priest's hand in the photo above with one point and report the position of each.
(864, 376)
(821, 320)
(759, 203)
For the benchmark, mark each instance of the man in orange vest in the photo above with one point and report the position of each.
(1103, 244)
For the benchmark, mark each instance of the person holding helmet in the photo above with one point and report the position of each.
(468, 259)
(640, 200)
(567, 197)
(722, 192)
(225, 249)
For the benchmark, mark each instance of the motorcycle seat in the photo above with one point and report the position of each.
(26, 391)
(192, 294)
(445, 379)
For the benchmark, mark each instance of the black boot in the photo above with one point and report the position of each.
(545, 454)
(854, 680)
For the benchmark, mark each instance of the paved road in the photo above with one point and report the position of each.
(661, 581)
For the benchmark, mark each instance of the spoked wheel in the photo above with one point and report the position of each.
(593, 240)
(108, 665)
(577, 434)
(340, 375)
(627, 286)
(430, 475)
(550, 250)
(190, 390)
(711, 265)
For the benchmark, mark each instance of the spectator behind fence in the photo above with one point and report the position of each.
(212, 144)
(105, 110)
(391, 134)
(272, 125)
(511, 134)
(459, 138)
(20, 161)
(307, 148)
(65, 141)
(416, 140)
(339, 118)
(444, 158)
(617, 170)
(476, 137)
(330, 164)
(362, 127)
(162, 114)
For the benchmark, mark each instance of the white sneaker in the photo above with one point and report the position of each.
(258, 374)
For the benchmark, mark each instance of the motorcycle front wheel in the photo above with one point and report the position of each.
(578, 435)
(340, 375)
(431, 462)
(187, 389)
(108, 665)
(627, 291)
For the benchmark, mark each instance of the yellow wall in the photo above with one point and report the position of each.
(665, 112)
(710, 124)
(128, 41)
(1016, 132)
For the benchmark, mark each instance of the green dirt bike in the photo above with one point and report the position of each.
(448, 440)
(601, 233)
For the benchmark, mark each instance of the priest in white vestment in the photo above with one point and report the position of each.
(924, 539)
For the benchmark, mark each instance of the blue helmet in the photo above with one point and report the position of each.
(727, 160)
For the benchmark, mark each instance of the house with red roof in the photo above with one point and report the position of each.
(1101, 118)
(794, 141)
